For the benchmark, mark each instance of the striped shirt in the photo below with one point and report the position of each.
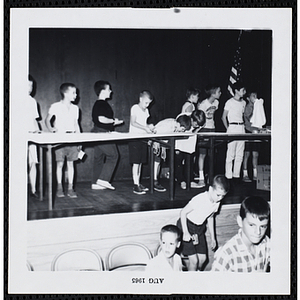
(234, 256)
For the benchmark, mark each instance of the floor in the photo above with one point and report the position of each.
(122, 199)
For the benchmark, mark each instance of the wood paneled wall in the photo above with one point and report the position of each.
(166, 62)
(46, 238)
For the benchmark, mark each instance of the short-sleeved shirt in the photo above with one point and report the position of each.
(66, 118)
(160, 264)
(32, 113)
(202, 208)
(235, 110)
(209, 110)
(103, 109)
(166, 126)
(185, 107)
(234, 256)
(141, 118)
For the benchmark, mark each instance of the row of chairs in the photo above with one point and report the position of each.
(129, 256)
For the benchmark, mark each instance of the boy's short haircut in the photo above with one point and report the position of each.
(171, 228)
(222, 182)
(64, 87)
(211, 88)
(199, 117)
(184, 121)
(238, 85)
(257, 206)
(99, 86)
(147, 94)
(192, 91)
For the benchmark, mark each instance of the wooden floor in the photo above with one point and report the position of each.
(122, 200)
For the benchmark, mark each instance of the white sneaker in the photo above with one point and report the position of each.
(97, 187)
(105, 184)
(195, 185)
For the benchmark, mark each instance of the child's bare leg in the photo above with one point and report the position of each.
(70, 165)
(245, 163)
(156, 169)
(193, 262)
(136, 171)
(32, 177)
(59, 167)
(201, 260)
(255, 155)
(201, 165)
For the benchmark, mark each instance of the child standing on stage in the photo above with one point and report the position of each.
(66, 121)
(106, 155)
(192, 96)
(254, 117)
(233, 121)
(33, 117)
(167, 259)
(139, 115)
(193, 218)
(209, 106)
(249, 249)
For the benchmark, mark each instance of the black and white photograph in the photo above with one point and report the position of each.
(150, 151)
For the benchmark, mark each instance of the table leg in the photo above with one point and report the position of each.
(151, 169)
(172, 163)
(49, 164)
(211, 153)
(188, 158)
(41, 173)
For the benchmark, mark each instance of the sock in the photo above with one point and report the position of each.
(70, 186)
(245, 172)
(254, 172)
(201, 175)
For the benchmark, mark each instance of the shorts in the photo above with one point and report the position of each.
(32, 154)
(70, 152)
(203, 145)
(188, 248)
(252, 146)
(138, 152)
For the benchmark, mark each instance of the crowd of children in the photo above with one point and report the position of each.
(249, 249)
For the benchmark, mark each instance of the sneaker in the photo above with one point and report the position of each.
(34, 195)
(195, 185)
(105, 184)
(145, 189)
(246, 179)
(201, 183)
(183, 185)
(97, 187)
(60, 193)
(72, 194)
(138, 190)
(158, 187)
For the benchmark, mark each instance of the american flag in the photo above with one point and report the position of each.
(235, 73)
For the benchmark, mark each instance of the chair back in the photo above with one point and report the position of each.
(128, 254)
(79, 259)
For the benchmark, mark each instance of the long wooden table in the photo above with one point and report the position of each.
(52, 140)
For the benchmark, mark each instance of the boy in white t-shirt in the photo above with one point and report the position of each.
(234, 123)
(193, 218)
(209, 106)
(33, 126)
(167, 259)
(192, 97)
(66, 121)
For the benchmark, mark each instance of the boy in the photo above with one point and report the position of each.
(192, 96)
(33, 126)
(181, 124)
(254, 117)
(66, 121)
(193, 218)
(209, 106)
(139, 115)
(249, 249)
(233, 112)
(167, 259)
(105, 155)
